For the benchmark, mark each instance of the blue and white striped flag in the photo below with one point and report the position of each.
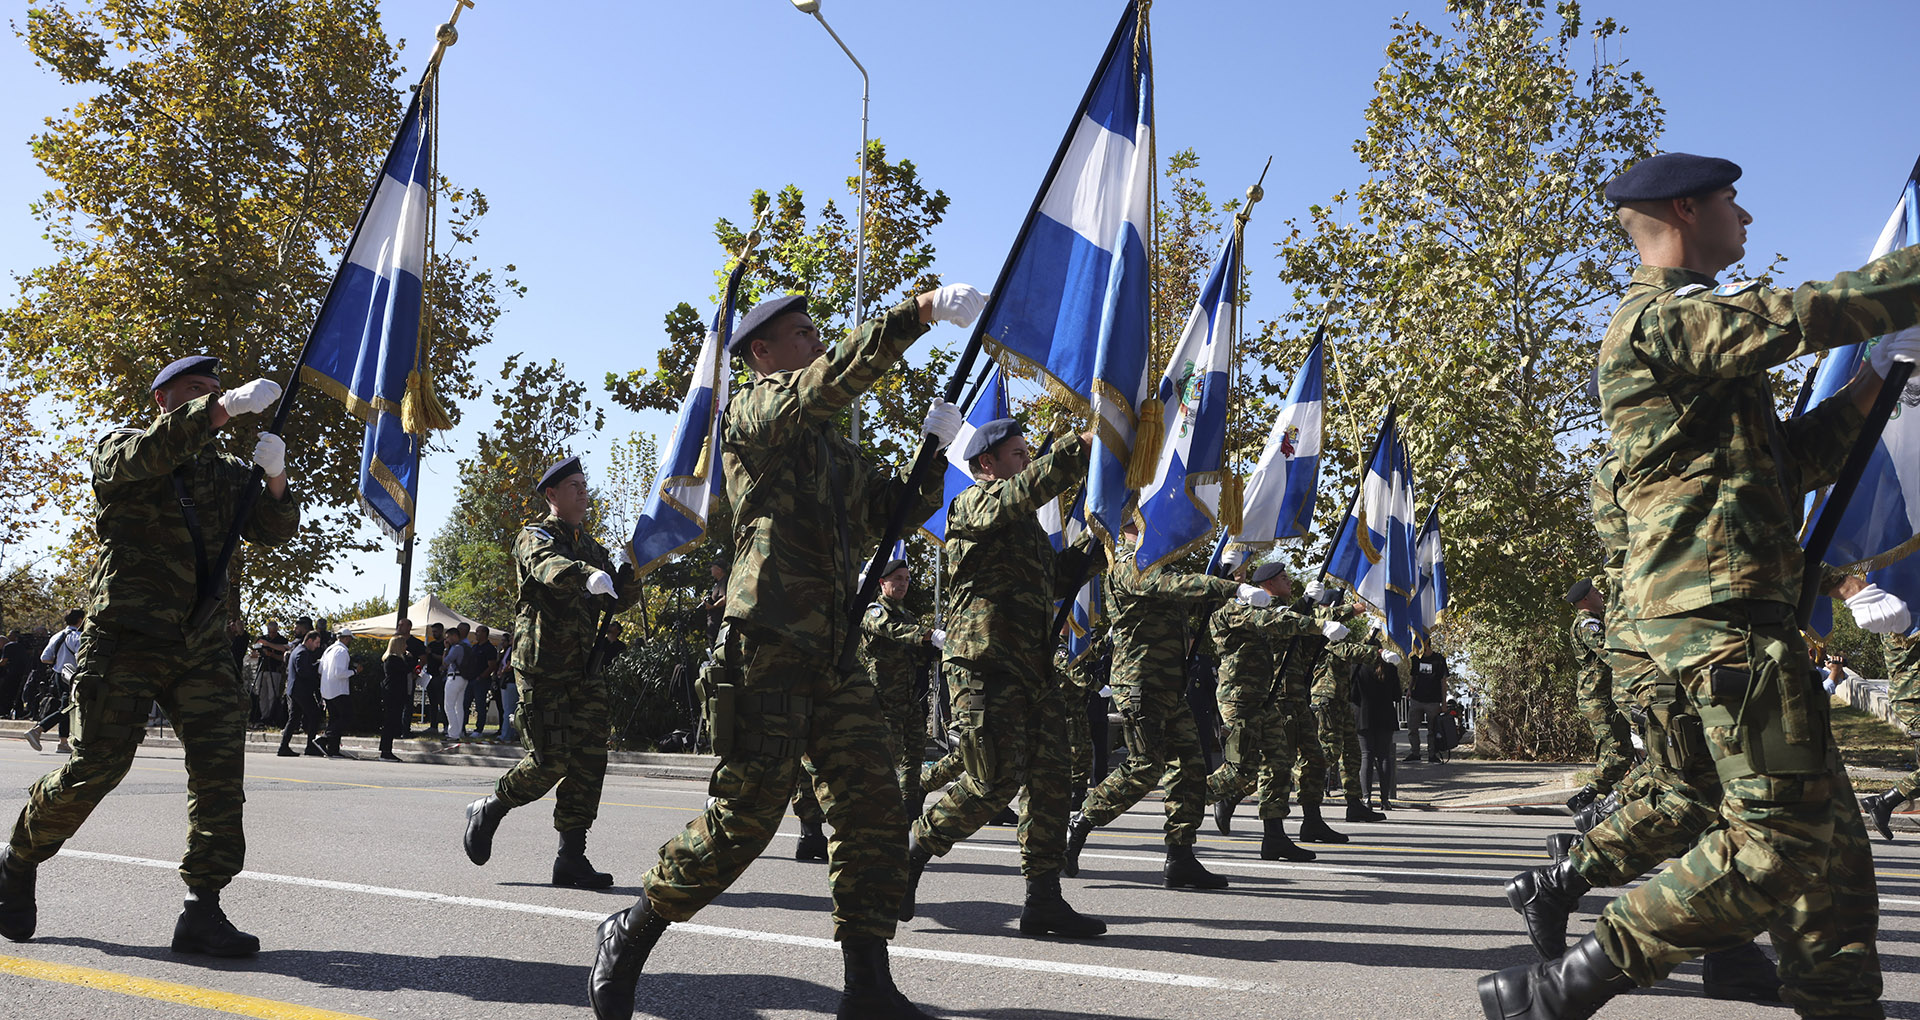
(1881, 527)
(1430, 574)
(1071, 303)
(675, 517)
(1179, 508)
(1373, 554)
(1086, 609)
(367, 336)
(989, 405)
(1281, 491)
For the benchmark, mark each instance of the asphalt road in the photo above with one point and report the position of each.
(366, 907)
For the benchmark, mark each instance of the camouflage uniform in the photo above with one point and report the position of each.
(136, 648)
(1613, 754)
(1003, 576)
(1306, 760)
(1253, 734)
(1709, 479)
(1146, 614)
(1902, 652)
(803, 500)
(894, 648)
(1333, 705)
(563, 711)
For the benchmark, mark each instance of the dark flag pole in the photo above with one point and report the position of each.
(1844, 486)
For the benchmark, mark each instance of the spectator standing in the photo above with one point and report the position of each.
(459, 665)
(436, 717)
(61, 653)
(303, 696)
(1428, 689)
(509, 694)
(1375, 690)
(486, 678)
(273, 647)
(405, 654)
(336, 689)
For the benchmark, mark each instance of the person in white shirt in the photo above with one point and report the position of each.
(454, 693)
(336, 666)
(61, 653)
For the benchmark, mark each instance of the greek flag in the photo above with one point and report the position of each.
(674, 519)
(1373, 554)
(1881, 526)
(990, 405)
(367, 336)
(1280, 494)
(1179, 508)
(1071, 304)
(1430, 572)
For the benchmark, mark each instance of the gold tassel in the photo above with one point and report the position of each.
(420, 409)
(1232, 492)
(1147, 437)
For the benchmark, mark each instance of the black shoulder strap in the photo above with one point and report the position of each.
(191, 515)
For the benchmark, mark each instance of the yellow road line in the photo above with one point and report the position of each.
(167, 991)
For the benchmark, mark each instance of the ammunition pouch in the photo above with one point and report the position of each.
(1234, 737)
(715, 693)
(103, 713)
(1781, 731)
(977, 753)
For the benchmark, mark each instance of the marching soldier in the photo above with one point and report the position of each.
(895, 648)
(803, 499)
(1303, 761)
(1709, 478)
(164, 494)
(1333, 709)
(565, 580)
(1902, 652)
(1613, 748)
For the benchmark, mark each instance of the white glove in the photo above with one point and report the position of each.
(1390, 657)
(957, 303)
(1334, 630)
(1106, 690)
(1901, 346)
(1254, 595)
(1230, 559)
(1314, 588)
(1879, 611)
(250, 397)
(271, 454)
(942, 422)
(600, 583)
(938, 640)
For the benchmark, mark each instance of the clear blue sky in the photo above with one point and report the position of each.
(609, 139)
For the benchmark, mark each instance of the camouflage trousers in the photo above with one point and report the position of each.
(1337, 736)
(1160, 734)
(1010, 733)
(1613, 754)
(907, 731)
(1792, 858)
(1253, 739)
(118, 679)
(946, 770)
(838, 727)
(1306, 763)
(564, 725)
(1906, 713)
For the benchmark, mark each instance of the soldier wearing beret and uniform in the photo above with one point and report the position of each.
(564, 580)
(1333, 709)
(804, 500)
(1003, 579)
(1593, 690)
(166, 498)
(1302, 762)
(1710, 480)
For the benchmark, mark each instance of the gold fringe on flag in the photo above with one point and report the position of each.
(420, 410)
(1147, 437)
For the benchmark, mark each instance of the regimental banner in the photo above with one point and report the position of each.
(1281, 491)
(1373, 554)
(1430, 578)
(989, 405)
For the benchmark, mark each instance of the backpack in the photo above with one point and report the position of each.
(1445, 732)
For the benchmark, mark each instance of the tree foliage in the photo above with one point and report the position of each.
(204, 190)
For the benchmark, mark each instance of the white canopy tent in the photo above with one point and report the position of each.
(427, 611)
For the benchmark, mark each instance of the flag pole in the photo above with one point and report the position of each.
(1842, 492)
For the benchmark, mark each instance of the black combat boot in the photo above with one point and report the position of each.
(917, 858)
(386, 750)
(1595, 813)
(812, 845)
(1560, 844)
(1007, 816)
(483, 817)
(870, 994)
(203, 928)
(1742, 974)
(1223, 815)
(1275, 846)
(1358, 811)
(1078, 829)
(626, 937)
(571, 869)
(1184, 871)
(1047, 913)
(1880, 809)
(17, 910)
(1581, 798)
(1313, 829)
(1544, 896)
(1573, 987)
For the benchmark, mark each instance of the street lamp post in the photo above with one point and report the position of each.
(860, 233)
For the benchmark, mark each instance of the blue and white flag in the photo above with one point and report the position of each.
(674, 519)
(1086, 610)
(1881, 527)
(1430, 575)
(1373, 554)
(1071, 304)
(1179, 508)
(1281, 491)
(367, 336)
(989, 405)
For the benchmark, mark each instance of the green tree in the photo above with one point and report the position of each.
(204, 189)
(1468, 278)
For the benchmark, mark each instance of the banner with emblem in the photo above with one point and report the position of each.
(990, 404)
(1281, 491)
(1373, 554)
(1880, 530)
(1430, 579)
(674, 519)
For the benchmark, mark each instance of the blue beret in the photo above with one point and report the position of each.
(990, 435)
(893, 565)
(762, 316)
(1266, 572)
(193, 364)
(1671, 175)
(559, 473)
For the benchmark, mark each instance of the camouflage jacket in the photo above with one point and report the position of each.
(554, 624)
(1147, 619)
(1303, 654)
(1589, 637)
(1902, 652)
(1246, 640)
(1002, 573)
(1333, 678)
(793, 480)
(1709, 477)
(893, 644)
(144, 579)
